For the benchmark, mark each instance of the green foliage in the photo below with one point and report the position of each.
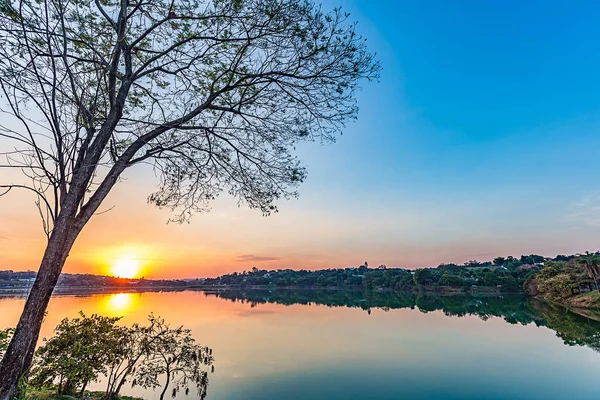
(451, 280)
(362, 276)
(590, 264)
(174, 359)
(156, 349)
(505, 274)
(509, 284)
(499, 261)
(572, 328)
(532, 259)
(7, 9)
(78, 353)
(425, 277)
(472, 264)
(49, 393)
(84, 348)
(559, 280)
(5, 336)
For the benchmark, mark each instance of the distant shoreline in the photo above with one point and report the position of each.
(21, 292)
(82, 290)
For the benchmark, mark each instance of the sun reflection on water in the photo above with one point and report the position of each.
(119, 303)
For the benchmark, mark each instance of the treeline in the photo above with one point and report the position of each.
(153, 356)
(506, 274)
(87, 280)
(16, 279)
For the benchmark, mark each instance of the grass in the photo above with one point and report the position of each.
(48, 394)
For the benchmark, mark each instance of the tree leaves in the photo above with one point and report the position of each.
(214, 95)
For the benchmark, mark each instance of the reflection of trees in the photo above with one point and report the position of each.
(330, 298)
(574, 329)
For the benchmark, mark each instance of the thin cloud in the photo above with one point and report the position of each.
(586, 210)
(252, 312)
(252, 257)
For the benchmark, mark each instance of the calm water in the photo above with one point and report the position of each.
(276, 346)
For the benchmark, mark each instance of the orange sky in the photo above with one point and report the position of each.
(307, 233)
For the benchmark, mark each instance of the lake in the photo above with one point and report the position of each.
(342, 346)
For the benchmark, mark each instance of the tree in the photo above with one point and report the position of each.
(472, 264)
(499, 261)
(532, 259)
(509, 284)
(78, 353)
(213, 94)
(590, 263)
(451, 280)
(425, 276)
(558, 280)
(136, 362)
(176, 357)
(137, 343)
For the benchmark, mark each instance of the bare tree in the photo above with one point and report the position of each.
(214, 94)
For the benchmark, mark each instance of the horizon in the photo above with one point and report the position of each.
(493, 153)
(460, 264)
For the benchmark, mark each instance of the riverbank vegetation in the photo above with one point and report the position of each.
(572, 282)
(23, 280)
(503, 274)
(87, 348)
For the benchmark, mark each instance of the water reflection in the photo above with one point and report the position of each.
(575, 329)
(119, 304)
(120, 301)
(323, 345)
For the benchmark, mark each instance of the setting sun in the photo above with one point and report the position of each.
(126, 268)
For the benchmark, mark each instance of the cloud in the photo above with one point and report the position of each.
(251, 312)
(586, 210)
(252, 257)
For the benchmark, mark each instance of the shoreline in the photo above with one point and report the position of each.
(82, 290)
(22, 292)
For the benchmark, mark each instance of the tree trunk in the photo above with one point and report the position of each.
(122, 382)
(69, 389)
(162, 395)
(18, 357)
(82, 391)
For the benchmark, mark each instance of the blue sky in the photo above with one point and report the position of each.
(488, 111)
(480, 139)
(478, 96)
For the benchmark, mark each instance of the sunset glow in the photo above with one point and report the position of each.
(126, 268)
(120, 302)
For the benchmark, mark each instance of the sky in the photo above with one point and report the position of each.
(480, 139)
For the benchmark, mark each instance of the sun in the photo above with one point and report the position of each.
(126, 268)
